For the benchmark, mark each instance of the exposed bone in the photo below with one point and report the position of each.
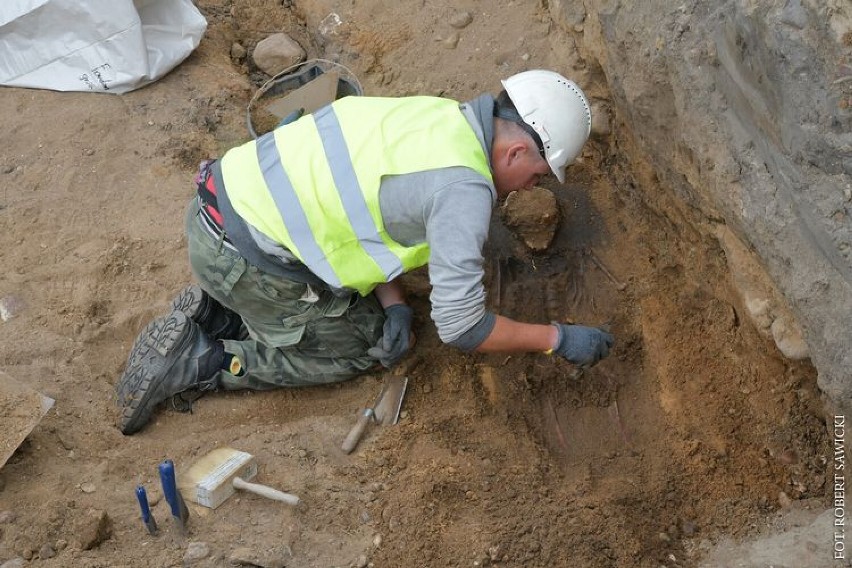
(618, 283)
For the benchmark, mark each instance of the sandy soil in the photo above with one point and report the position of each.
(690, 431)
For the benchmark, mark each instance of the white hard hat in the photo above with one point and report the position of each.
(557, 110)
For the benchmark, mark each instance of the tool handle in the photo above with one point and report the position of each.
(142, 497)
(167, 478)
(265, 491)
(173, 496)
(147, 518)
(357, 431)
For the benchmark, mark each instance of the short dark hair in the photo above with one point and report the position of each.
(504, 108)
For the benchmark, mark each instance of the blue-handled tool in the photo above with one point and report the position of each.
(147, 517)
(173, 496)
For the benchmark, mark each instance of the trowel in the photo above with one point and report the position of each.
(22, 409)
(385, 410)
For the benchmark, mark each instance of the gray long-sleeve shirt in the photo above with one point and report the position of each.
(450, 208)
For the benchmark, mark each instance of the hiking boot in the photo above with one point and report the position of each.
(216, 320)
(172, 355)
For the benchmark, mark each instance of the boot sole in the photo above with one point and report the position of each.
(147, 366)
(191, 302)
(197, 305)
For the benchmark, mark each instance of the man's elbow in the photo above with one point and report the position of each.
(473, 337)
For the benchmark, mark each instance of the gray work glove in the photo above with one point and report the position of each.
(394, 343)
(581, 345)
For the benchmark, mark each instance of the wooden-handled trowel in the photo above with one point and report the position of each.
(22, 409)
(385, 410)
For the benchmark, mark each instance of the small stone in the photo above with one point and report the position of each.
(88, 152)
(664, 538)
(276, 53)
(10, 306)
(759, 309)
(27, 554)
(244, 556)
(87, 487)
(196, 551)
(303, 454)
(784, 500)
(403, 415)
(46, 551)
(361, 562)
(427, 388)
(461, 20)
(61, 544)
(451, 41)
(8, 169)
(377, 541)
(525, 57)
(241, 556)
(16, 562)
(328, 26)
(238, 52)
(92, 528)
(789, 339)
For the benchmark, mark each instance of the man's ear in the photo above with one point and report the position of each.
(515, 152)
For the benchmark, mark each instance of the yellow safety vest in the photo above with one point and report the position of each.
(313, 185)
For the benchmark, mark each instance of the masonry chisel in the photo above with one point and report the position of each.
(147, 517)
(173, 496)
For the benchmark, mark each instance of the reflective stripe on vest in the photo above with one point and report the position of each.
(313, 185)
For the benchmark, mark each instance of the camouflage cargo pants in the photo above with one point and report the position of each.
(298, 335)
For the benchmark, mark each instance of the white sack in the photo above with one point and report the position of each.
(110, 46)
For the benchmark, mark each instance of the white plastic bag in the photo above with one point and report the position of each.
(111, 46)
